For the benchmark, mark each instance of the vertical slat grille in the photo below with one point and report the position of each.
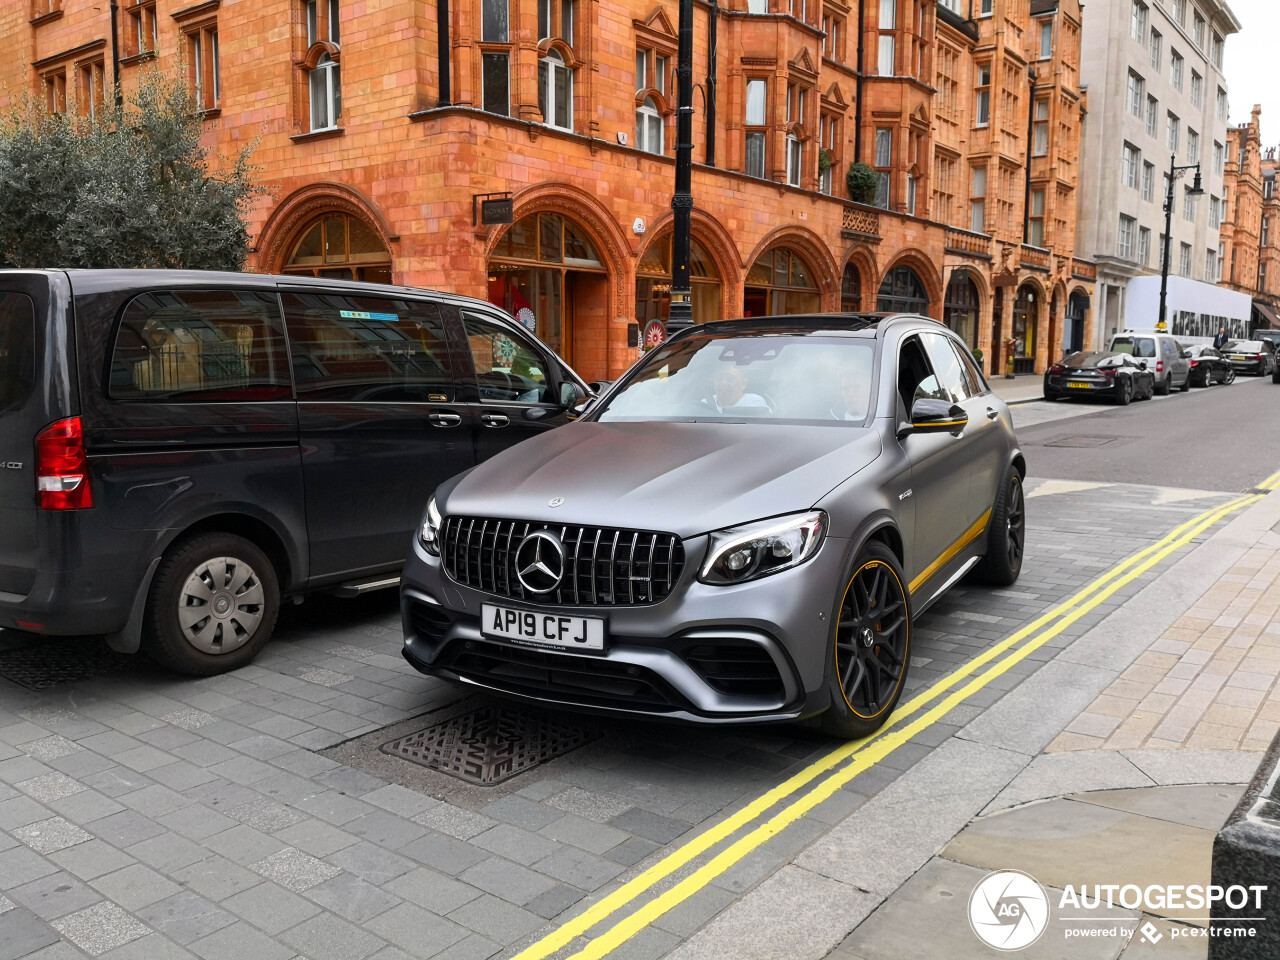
(602, 566)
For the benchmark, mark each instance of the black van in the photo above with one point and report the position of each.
(179, 450)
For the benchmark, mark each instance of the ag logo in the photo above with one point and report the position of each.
(1008, 910)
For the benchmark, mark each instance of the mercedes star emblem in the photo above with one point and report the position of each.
(540, 562)
(555, 501)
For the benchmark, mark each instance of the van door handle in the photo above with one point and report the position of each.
(992, 413)
(444, 419)
(494, 419)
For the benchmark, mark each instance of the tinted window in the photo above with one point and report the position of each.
(973, 378)
(212, 345)
(508, 368)
(17, 349)
(731, 378)
(950, 376)
(368, 349)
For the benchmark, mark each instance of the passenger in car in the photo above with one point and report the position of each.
(729, 387)
(854, 395)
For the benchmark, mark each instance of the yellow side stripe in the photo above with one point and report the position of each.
(615, 901)
(966, 538)
(633, 924)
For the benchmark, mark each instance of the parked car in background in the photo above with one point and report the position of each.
(1102, 375)
(1163, 355)
(744, 528)
(1208, 366)
(185, 448)
(1255, 357)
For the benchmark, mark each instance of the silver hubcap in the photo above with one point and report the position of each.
(221, 605)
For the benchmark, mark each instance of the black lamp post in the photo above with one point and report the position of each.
(1195, 190)
(681, 313)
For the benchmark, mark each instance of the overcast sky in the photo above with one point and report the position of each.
(1250, 62)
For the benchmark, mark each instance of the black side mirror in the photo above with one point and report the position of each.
(931, 415)
(1142, 365)
(571, 393)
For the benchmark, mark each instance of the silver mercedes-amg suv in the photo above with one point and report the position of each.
(743, 528)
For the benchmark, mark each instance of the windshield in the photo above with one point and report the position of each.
(772, 378)
(1138, 346)
(1244, 346)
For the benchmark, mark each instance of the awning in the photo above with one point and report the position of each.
(1267, 314)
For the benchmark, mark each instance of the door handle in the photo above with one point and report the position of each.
(992, 413)
(494, 419)
(444, 419)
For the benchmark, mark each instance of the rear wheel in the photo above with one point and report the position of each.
(1186, 384)
(871, 646)
(1231, 375)
(213, 605)
(1006, 535)
(1124, 392)
(1166, 385)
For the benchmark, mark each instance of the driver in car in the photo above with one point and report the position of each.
(853, 393)
(730, 391)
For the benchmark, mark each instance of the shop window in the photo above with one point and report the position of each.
(342, 247)
(902, 291)
(780, 283)
(653, 283)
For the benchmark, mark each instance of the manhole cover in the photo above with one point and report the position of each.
(39, 666)
(490, 744)
(1081, 441)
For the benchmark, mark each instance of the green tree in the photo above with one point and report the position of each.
(862, 182)
(130, 187)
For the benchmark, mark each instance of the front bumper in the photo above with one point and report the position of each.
(751, 653)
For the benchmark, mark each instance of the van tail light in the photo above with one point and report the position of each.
(62, 471)
(1159, 366)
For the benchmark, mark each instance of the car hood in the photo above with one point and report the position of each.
(683, 478)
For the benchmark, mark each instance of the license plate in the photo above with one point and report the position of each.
(1079, 385)
(542, 629)
(1239, 358)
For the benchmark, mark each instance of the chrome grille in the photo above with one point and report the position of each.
(603, 565)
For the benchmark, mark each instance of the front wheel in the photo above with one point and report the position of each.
(1186, 384)
(1006, 535)
(871, 646)
(1231, 375)
(213, 604)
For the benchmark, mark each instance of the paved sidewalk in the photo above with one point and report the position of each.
(1021, 389)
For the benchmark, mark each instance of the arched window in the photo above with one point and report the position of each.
(653, 283)
(555, 91)
(850, 290)
(902, 292)
(780, 283)
(649, 127)
(342, 247)
(960, 307)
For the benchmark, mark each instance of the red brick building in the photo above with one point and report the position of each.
(1250, 249)
(374, 164)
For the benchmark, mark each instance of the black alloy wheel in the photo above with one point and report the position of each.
(1230, 375)
(872, 646)
(1006, 535)
(1124, 391)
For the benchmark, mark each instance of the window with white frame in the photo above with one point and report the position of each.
(978, 201)
(557, 18)
(1176, 64)
(1153, 116)
(1129, 165)
(1210, 265)
(555, 91)
(1046, 39)
(1173, 133)
(795, 155)
(1220, 104)
(1193, 146)
(1124, 238)
(1218, 157)
(912, 186)
(887, 50)
(1268, 188)
(1035, 221)
(1138, 21)
(884, 161)
(757, 6)
(1184, 259)
(1197, 29)
(1137, 90)
(1222, 259)
(1214, 218)
(324, 80)
(203, 68)
(1148, 181)
(1180, 12)
(982, 108)
(829, 141)
(755, 127)
(649, 127)
(1189, 205)
(1144, 246)
(1197, 89)
(1040, 129)
(1217, 50)
(1157, 48)
(1266, 231)
(985, 6)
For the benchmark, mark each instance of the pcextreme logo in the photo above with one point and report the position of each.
(1009, 910)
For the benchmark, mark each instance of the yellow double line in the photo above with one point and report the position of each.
(861, 754)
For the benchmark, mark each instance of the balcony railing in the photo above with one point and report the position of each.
(1035, 257)
(1084, 270)
(966, 241)
(858, 220)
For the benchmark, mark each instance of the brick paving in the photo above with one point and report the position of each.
(1211, 681)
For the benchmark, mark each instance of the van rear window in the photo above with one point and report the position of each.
(200, 345)
(1138, 346)
(17, 349)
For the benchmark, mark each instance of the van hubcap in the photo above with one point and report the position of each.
(221, 604)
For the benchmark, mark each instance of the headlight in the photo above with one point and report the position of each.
(430, 532)
(757, 550)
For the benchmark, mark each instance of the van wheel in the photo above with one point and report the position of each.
(1165, 386)
(213, 605)
(1186, 384)
(871, 646)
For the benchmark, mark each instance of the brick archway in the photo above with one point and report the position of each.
(815, 254)
(302, 207)
(924, 268)
(864, 261)
(718, 243)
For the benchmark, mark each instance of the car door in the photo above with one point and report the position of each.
(984, 437)
(1175, 361)
(941, 469)
(380, 418)
(516, 384)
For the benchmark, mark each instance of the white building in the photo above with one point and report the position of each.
(1153, 71)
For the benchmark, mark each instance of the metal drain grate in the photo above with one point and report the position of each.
(490, 744)
(47, 663)
(1081, 441)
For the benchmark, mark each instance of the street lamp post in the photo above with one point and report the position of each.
(1195, 190)
(681, 313)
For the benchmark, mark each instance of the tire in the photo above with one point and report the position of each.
(1006, 535)
(1149, 394)
(1166, 386)
(1186, 384)
(1231, 375)
(179, 636)
(1275, 376)
(1124, 393)
(869, 658)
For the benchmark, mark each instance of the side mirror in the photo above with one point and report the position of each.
(1142, 365)
(1186, 354)
(571, 393)
(930, 415)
